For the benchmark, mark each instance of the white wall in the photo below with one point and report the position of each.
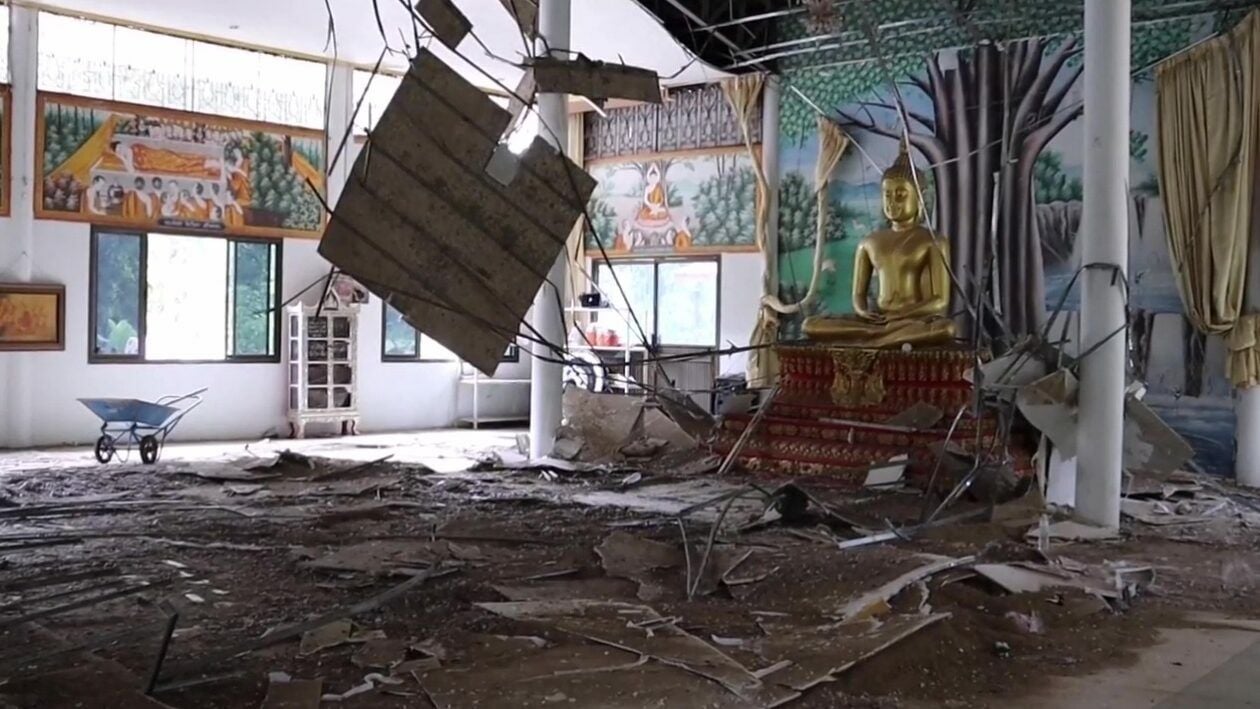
(38, 390)
(244, 400)
(739, 299)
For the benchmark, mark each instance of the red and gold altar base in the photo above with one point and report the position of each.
(829, 419)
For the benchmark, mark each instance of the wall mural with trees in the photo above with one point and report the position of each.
(140, 167)
(674, 203)
(991, 104)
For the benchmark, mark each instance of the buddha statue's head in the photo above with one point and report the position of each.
(901, 198)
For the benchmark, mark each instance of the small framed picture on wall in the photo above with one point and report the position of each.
(32, 316)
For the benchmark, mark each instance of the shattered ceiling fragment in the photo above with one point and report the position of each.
(447, 22)
(422, 224)
(526, 14)
(641, 630)
(595, 80)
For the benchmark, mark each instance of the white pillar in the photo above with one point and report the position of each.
(1247, 433)
(546, 386)
(17, 241)
(1105, 231)
(341, 100)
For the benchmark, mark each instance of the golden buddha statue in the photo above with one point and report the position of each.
(912, 267)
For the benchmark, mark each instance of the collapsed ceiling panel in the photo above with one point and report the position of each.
(423, 225)
(447, 22)
(595, 80)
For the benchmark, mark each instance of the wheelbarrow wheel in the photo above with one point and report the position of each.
(149, 450)
(104, 449)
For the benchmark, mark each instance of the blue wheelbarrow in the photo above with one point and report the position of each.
(144, 424)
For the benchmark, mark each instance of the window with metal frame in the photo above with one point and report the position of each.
(162, 297)
(4, 44)
(119, 63)
(400, 342)
(371, 94)
(675, 301)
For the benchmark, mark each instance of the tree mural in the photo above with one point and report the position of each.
(995, 104)
(1058, 208)
(603, 219)
(281, 196)
(1025, 91)
(798, 215)
(680, 202)
(1051, 183)
(721, 206)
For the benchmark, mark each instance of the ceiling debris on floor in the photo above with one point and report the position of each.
(385, 583)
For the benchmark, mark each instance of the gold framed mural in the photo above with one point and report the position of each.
(6, 147)
(118, 164)
(694, 201)
(32, 316)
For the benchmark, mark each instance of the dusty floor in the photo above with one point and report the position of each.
(492, 560)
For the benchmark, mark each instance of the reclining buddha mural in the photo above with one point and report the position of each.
(142, 167)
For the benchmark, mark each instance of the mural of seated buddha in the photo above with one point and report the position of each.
(911, 265)
(653, 227)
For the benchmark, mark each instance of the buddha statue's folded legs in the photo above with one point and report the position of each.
(855, 331)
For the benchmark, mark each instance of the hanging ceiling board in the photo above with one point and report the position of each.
(595, 80)
(421, 223)
(448, 23)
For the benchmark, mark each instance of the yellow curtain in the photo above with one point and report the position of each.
(832, 142)
(742, 93)
(1209, 125)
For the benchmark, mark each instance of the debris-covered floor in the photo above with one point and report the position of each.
(344, 575)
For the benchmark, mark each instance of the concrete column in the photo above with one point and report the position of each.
(1105, 233)
(341, 100)
(1247, 457)
(17, 241)
(546, 385)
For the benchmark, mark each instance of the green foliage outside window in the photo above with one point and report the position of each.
(117, 294)
(401, 339)
(253, 291)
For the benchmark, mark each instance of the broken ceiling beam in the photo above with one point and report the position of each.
(525, 12)
(522, 98)
(448, 24)
(595, 80)
(424, 226)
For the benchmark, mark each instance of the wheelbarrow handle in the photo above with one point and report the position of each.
(168, 400)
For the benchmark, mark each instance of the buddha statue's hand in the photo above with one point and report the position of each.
(872, 317)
